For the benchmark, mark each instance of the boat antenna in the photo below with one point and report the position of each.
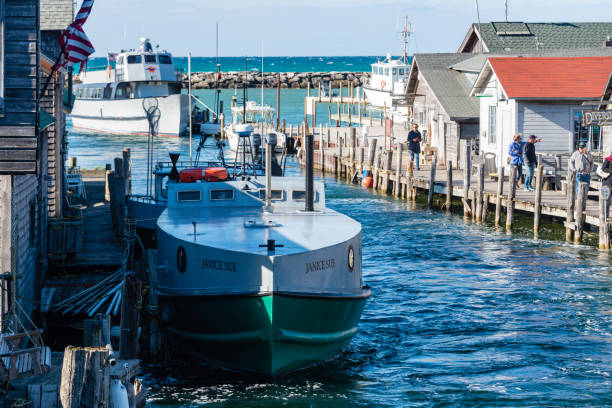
(506, 10)
(262, 90)
(190, 126)
(406, 35)
(246, 61)
(218, 75)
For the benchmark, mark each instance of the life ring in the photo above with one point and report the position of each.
(383, 84)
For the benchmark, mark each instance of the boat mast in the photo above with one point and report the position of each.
(405, 34)
(190, 126)
(244, 90)
(218, 91)
(262, 89)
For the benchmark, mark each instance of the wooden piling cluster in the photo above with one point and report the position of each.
(343, 154)
(119, 186)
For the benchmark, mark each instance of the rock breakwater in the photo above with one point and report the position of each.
(231, 79)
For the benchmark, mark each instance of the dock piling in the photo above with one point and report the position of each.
(479, 192)
(466, 180)
(571, 202)
(583, 189)
(538, 200)
(398, 170)
(511, 196)
(449, 187)
(604, 228)
(500, 192)
(432, 180)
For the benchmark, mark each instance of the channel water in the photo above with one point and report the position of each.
(460, 315)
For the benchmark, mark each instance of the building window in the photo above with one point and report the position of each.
(492, 124)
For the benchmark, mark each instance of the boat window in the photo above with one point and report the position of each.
(107, 92)
(298, 195)
(189, 196)
(134, 59)
(120, 60)
(401, 71)
(274, 194)
(165, 59)
(218, 195)
(150, 58)
(386, 71)
(394, 71)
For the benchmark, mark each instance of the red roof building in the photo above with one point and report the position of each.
(551, 78)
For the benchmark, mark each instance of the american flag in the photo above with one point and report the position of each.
(75, 45)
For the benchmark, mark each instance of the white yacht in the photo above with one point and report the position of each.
(387, 87)
(111, 101)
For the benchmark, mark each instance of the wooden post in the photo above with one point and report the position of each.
(557, 172)
(371, 153)
(398, 170)
(127, 170)
(432, 180)
(352, 143)
(410, 195)
(500, 192)
(583, 190)
(511, 196)
(538, 200)
(479, 192)
(85, 377)
(72, 162)
(604, 229)
(96, 331)
(485, 208)
(571, 203)
(466, 180)
(130, 311)
(449, 187)
(376, 168)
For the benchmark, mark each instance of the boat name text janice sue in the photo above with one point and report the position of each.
(322, 265)
(219, 265)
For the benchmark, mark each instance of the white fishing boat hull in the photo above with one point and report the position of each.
(127, 116)
(378, 97)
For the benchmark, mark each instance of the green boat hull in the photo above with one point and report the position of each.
(269, 334)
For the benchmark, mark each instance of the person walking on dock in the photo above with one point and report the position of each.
(515, 151)
(581, 163)
(531, 160)
(414, 144)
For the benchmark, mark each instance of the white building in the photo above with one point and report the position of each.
(539, 95)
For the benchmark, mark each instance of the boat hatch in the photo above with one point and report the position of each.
(219, 195)
(274, 194)
(261, 224)
(189, 196)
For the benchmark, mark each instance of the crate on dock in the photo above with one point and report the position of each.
(65, 236)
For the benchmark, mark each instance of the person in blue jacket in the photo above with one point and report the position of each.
(515, 151)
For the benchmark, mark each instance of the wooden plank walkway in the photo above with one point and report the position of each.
(102, 247)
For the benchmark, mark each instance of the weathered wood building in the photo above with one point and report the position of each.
(26, 122)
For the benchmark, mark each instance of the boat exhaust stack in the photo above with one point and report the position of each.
(174, 174)
(309, 172)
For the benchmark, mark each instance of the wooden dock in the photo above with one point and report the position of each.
(338, 151)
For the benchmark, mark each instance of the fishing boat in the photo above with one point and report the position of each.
(258, 275)
(111, 100)
(386, 89)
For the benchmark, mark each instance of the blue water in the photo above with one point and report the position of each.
(271, 64)
(460, 315)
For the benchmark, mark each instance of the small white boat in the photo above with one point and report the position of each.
(111, 101)
(256, 115)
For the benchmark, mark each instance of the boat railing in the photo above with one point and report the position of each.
(146, 199)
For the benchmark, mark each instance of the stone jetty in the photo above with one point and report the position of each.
(231, 79)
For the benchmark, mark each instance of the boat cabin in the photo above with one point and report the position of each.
(254, 113)
(286, 192)
(126, 90)
(387, 73)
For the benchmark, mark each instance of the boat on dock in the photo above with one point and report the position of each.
(111, 100)
(259, 276)
(386, 89)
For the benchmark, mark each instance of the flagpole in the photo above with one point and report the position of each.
(190, 130)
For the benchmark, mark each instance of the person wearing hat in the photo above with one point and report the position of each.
(605, 172)
(531, 160)
(515, 154)
(581, 162)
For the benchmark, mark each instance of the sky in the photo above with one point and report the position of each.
(313, 27)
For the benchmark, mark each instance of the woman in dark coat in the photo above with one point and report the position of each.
(414, 143)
